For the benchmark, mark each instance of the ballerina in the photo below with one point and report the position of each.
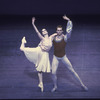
(39, 55)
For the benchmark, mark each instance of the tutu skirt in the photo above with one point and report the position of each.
(38, 57)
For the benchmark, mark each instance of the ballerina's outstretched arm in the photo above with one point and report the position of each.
(52, 36)
(37, 31)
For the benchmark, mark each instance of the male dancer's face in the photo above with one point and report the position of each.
(59, 31)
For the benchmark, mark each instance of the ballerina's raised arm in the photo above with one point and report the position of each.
(37, 31)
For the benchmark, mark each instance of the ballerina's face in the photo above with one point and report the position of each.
(44, 31)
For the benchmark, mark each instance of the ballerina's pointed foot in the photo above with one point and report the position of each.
(24, 40)
(54, 89)
(41, 86)
(23, 43)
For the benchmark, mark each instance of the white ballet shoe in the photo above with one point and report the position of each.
(21, 48)
(54, 89)
(41, 86)
(84, 88)
(24, 40)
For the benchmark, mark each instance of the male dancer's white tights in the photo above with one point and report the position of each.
(67, 63)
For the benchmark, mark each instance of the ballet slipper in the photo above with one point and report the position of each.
(54, 89)
(84, 88)
(41, 86)
(24, 40)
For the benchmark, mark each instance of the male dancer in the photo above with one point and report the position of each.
(59, 43)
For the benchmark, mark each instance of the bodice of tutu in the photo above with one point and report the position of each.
(46, 44)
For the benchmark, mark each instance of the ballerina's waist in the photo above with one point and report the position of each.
(45, 48)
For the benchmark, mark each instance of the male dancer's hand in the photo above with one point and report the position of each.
(33, 20)
(65, 17)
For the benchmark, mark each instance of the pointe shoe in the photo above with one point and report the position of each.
(21, 48)
(54, 89)
(24, 40)
(41, 86)
(84, 88)
(22, 44)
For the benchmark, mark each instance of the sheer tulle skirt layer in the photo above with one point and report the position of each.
(38, 57)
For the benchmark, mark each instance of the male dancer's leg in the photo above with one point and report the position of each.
(69, 66)
(55, 63)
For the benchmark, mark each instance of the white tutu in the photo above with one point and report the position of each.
(38, 57)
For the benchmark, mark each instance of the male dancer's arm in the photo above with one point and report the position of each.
(68, 28)
(39, 34)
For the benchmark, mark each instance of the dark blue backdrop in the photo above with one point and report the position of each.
(30, 7)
